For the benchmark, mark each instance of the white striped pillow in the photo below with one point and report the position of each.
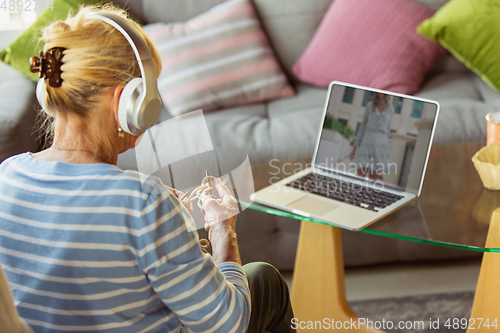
(218, 59)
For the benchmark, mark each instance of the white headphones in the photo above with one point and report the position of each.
(140, 103)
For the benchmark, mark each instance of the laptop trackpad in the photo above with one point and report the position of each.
(313, 206)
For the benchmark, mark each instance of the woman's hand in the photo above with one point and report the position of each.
(220, 223)
(178, 194)
(219, 212)
(353, 153)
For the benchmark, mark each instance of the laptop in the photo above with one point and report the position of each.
(369, 160)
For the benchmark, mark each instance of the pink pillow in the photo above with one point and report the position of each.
(372, 43)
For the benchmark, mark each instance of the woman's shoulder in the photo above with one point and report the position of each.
(10, 159)
(12, 162)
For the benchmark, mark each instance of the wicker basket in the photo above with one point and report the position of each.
(487, 161)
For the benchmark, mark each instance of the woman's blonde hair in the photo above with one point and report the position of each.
(97, 57)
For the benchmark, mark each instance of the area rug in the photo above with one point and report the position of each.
(431, 313)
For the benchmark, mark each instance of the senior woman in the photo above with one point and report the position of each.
(87, 247)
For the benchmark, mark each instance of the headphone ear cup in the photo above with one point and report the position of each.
(41, 96)
(127, 105)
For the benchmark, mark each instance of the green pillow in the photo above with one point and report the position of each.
(470, 30)
(28, 44)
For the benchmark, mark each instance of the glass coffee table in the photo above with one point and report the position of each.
(454, 210)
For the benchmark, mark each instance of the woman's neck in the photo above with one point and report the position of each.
(77, 141)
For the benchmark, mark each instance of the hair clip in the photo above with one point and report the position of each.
(49, 65)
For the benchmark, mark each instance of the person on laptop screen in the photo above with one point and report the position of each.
(370, 151)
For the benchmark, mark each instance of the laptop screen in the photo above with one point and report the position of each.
(376, 135)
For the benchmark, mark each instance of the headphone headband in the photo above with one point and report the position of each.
(141, 108)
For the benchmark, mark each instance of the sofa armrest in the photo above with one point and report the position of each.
(17, 113)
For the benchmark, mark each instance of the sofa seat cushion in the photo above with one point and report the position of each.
(283, 129)
(243, 127)
(295, 122)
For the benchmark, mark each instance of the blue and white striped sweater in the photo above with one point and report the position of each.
(90, 248)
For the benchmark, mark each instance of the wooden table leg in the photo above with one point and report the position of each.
(487, 300)
(318, 290)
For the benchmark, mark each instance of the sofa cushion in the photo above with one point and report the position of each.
(489, 96)
(282, 129)
(448, 64)
(243, 127)
(294, 122)
(463, 107)
(290, 26)
(217, 59)
(470, 30)
(381, 51)
(174, 10)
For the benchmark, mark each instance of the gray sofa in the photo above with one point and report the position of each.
(282, 129)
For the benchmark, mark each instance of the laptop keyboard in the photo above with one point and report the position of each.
(347, 192)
